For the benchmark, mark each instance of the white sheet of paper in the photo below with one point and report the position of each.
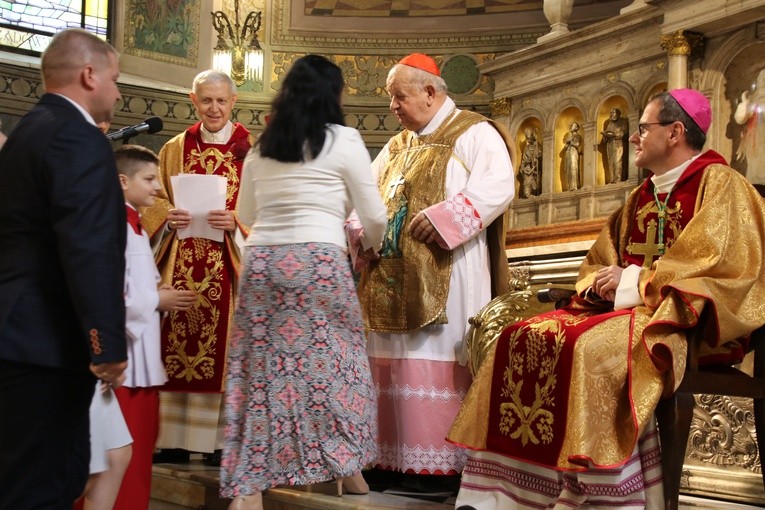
(199, 194)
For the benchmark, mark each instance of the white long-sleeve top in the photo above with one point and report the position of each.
(300, 202)
(145, 367)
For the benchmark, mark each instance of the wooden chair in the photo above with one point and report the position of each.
(675, 413)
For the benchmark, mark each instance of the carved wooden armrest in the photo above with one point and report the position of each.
(488, 323)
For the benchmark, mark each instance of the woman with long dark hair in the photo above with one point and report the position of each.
(300, 404)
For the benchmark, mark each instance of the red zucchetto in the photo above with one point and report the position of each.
(421, 61)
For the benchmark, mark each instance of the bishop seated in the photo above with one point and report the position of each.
(562, 408)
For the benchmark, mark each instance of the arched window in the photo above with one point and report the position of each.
(26, 26)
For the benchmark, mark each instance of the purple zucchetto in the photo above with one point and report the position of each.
(696, 105)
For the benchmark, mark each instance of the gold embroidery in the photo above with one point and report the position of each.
(651, 248)
(194, 322)
(211, 159)
(574, 320)
(672, 213)
(182, 332)
(518, 419)
(408, 287)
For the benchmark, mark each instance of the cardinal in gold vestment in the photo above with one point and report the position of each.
(446, 181)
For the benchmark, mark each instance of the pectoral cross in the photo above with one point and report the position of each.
(650, 248)
(393, 186)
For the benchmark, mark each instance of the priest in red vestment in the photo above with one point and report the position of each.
(562, 409)
(194, 341)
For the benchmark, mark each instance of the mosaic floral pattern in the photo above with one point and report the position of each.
(163, 30)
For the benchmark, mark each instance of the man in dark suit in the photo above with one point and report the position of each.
(62, 243)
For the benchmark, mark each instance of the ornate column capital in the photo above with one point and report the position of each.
(501, 106)
(683, 43)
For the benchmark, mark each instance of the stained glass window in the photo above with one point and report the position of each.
(28, 25)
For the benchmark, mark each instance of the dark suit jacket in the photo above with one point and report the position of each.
(62, 242)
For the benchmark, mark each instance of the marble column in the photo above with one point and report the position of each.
(679, 47)
(500, 110)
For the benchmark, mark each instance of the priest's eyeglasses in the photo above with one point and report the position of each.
(643, 127)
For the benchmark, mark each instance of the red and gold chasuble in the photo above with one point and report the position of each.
(194, 341)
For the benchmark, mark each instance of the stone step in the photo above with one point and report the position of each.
(195, 486)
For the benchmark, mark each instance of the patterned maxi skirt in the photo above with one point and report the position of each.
(300, 404)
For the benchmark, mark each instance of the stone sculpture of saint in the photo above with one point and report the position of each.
(750, 155)
(572, 158)
(530, 172)
(615, 133)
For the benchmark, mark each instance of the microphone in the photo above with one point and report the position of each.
(151, 125)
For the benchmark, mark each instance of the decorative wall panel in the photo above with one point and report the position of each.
(166, 31)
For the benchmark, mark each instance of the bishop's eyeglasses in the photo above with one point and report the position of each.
(643, 127)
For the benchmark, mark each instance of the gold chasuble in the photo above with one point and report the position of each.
(194, 341)
(576, 387)
(407, 288)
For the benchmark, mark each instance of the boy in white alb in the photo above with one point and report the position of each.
(139, 395)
